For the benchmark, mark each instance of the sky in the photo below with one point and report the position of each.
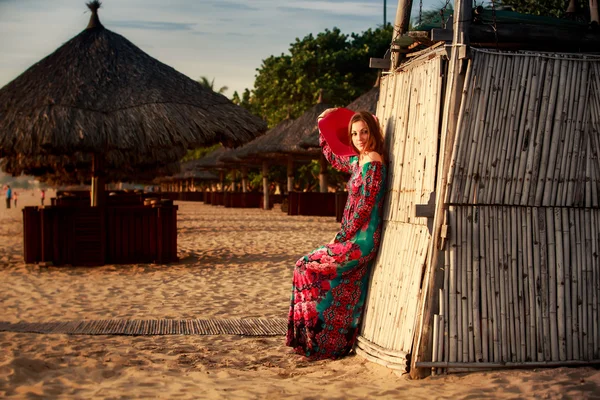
(224, 40)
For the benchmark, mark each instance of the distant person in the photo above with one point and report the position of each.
(15, 198)
(42, 196)
(330, 283)
(8, 196)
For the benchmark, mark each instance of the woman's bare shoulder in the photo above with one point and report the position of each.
(374, 156)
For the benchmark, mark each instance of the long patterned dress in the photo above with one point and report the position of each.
(330, 283)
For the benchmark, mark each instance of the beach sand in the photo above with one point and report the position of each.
(234, 263)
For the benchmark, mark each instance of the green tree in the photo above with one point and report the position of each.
(289, 84)
(204, 81)
(550, 8)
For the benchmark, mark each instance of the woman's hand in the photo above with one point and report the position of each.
(333, 240)
(324, 113)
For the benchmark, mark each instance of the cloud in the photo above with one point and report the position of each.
(234, 6)
(154, 25)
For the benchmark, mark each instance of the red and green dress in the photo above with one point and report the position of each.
(330, 283)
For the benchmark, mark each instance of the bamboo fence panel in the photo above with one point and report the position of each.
(409, 109)
(529, 131)
(559, 277)
(522, 273)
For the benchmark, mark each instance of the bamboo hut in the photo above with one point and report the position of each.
(490, 236)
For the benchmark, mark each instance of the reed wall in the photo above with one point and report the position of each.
(409, 110)
(521, 266)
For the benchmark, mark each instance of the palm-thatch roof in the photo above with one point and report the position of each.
(210, 161)
(366, 102)
(287, 141)
(251, 151)
(99, 93)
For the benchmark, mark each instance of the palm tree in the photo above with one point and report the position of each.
(211, 85)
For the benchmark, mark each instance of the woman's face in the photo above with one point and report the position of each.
(360, 135)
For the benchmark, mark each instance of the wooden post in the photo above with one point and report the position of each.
(97, 195)
(244, 179)
(422, 345)
(401, 27)
(265, 178)
(323, 174)
(594, 17)
(290, 173)
(222, 180)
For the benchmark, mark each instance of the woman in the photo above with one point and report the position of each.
(330, 283)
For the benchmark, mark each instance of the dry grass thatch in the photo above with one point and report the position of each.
(284, 140)
(78, 166)
(210, 161)
(366, 102)
(99, 93)
(249, 153)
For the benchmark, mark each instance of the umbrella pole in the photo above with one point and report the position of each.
(290, 173)
(265, 178)
(323, 174)
(97, 195)
(244, 179)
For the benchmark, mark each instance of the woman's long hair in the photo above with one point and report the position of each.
(376, 142)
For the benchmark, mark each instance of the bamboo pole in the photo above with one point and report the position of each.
(531, 280)
(560, 282)
(574, 285)
(580, 237)
(537, 249)
(507, 151)
(447, 255)
(503, 281)
(518, 284)
(591, 318)
(552, 282)
(545, 278)
(502, 133)
(453, 331)
(510, 365)
(484, 282)
(530, 175)
(595, 287)
(552, 279)
(561, 120)
(475, 288)
(499, 319)
(435, 353)
(469, 297)
(549, 160)
(569, 128)
(483, 132)
(545, 150)
(577, 138)
(465, 268)
(566, 282)
(461, 326)
(510, 237)
(523, 132)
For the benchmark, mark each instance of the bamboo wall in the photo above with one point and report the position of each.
(521, 265)
(409, 110)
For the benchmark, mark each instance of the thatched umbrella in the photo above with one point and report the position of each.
(285, 145)
(250, 154)
(102, 95)
(211, 162)
(70, 170)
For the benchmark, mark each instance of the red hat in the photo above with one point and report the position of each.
(334, 127)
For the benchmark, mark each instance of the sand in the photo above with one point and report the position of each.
(234, 264)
